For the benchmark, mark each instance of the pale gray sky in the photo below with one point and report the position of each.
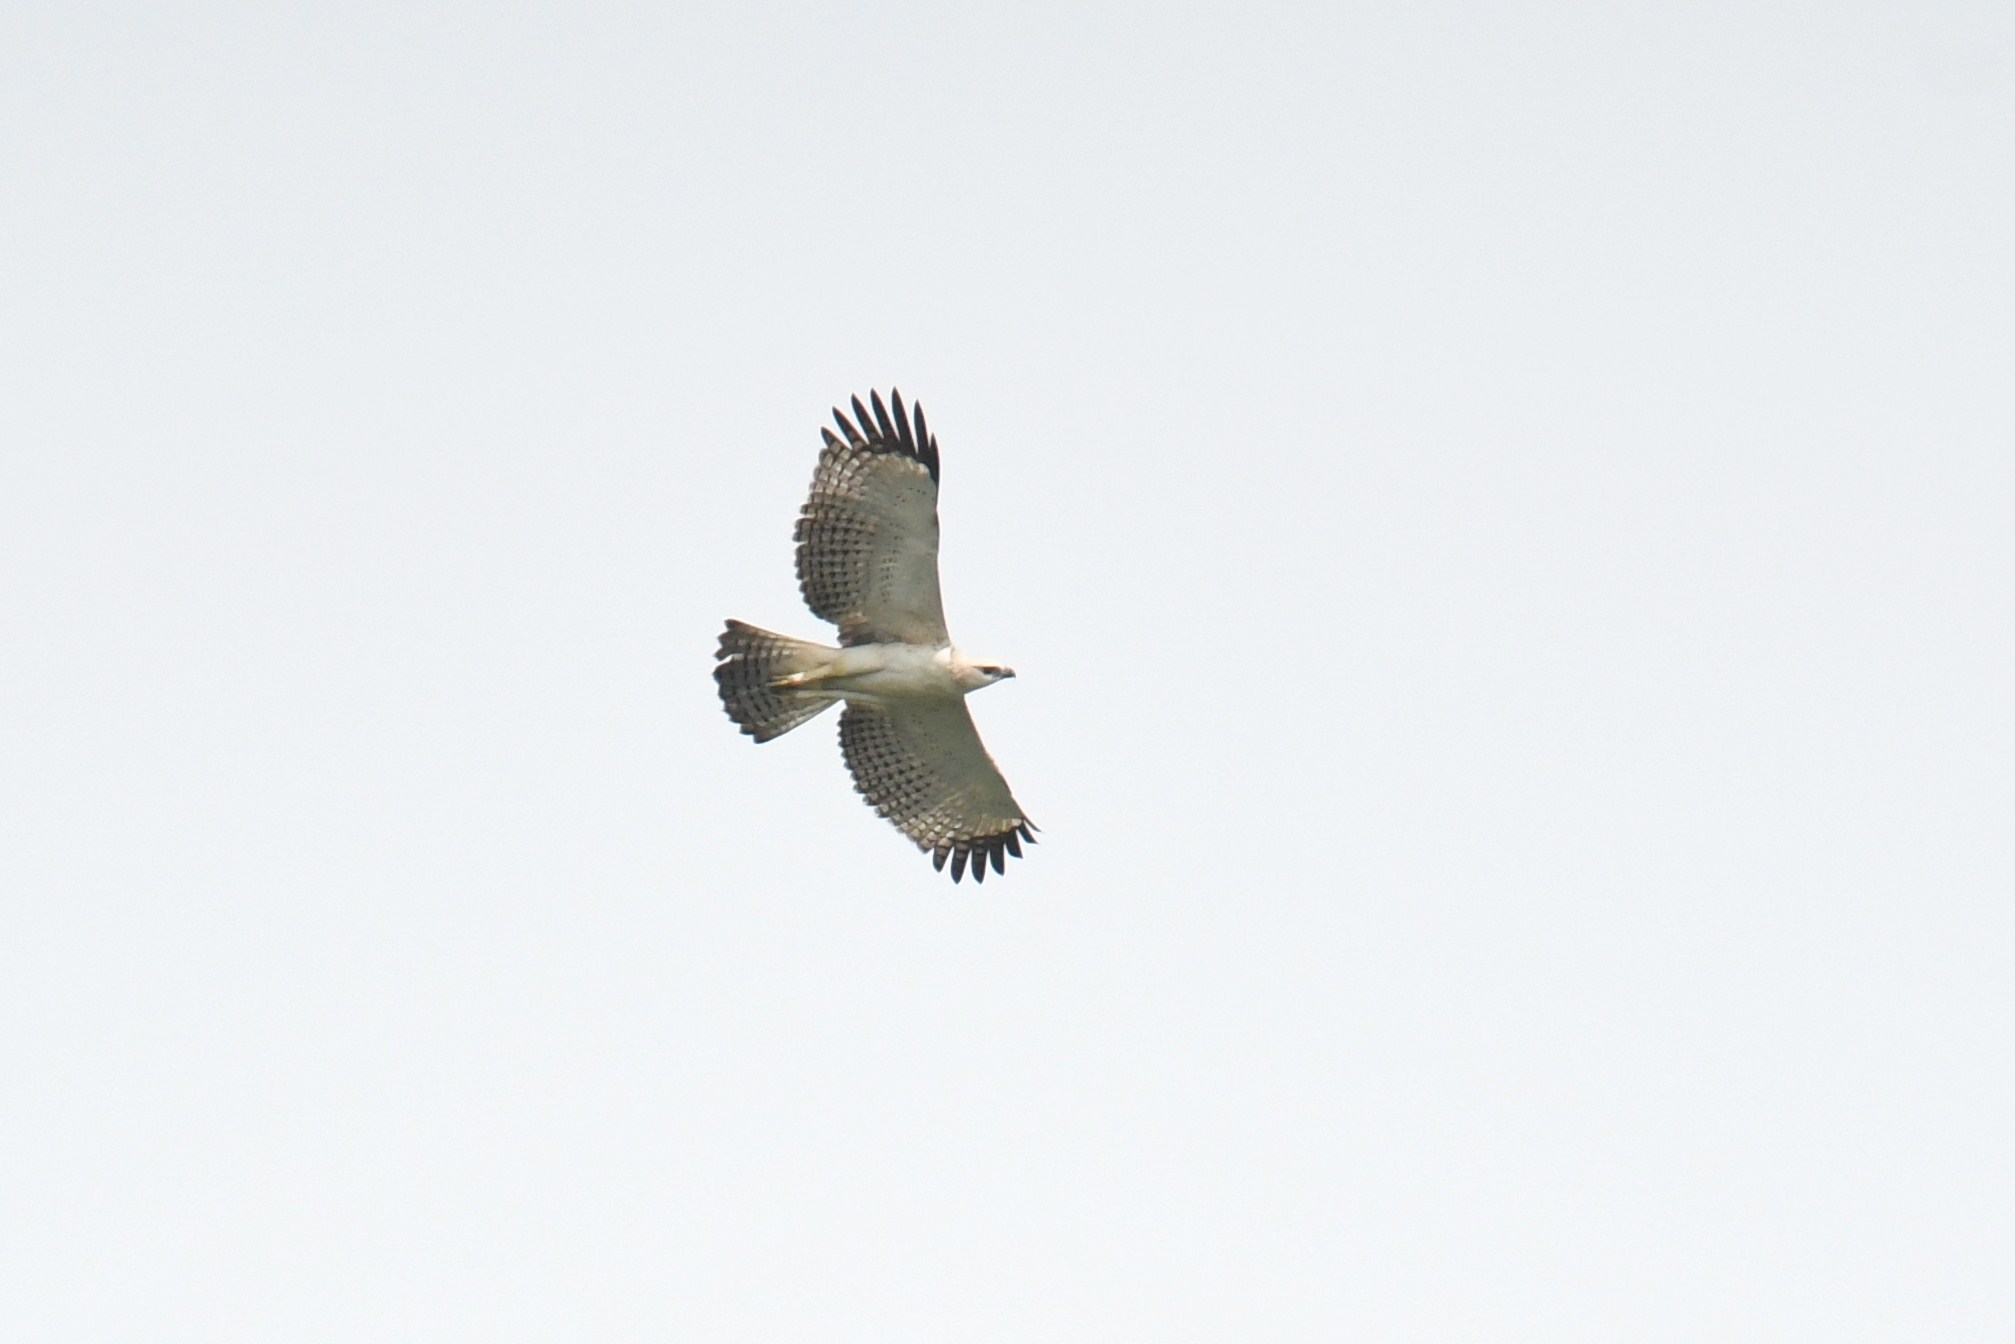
(1502, 514)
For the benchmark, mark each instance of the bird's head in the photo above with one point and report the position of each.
(969, 674)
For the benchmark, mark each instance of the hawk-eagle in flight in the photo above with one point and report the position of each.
(868, 562)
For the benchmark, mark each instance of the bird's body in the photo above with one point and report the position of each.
(867, 561)
(887, 673)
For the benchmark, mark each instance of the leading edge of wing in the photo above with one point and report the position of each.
(904, 433)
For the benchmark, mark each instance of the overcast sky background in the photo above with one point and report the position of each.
(1502, 514)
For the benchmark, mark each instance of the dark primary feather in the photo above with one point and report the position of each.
(903, 433)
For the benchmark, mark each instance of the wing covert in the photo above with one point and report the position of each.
(868, 533)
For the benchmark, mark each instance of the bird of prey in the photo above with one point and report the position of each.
(868, 562)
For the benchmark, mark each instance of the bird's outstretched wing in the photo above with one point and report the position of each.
(868, 535)
(921, 765)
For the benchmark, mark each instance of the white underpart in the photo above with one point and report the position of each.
(891, 673)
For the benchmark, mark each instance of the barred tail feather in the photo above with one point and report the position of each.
(751, 660)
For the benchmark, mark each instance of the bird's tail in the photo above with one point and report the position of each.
(751, 661)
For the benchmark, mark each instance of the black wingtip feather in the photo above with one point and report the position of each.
(904, 435)
(846, 425)
(904, 432)
(926, 446)
(977, 853)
